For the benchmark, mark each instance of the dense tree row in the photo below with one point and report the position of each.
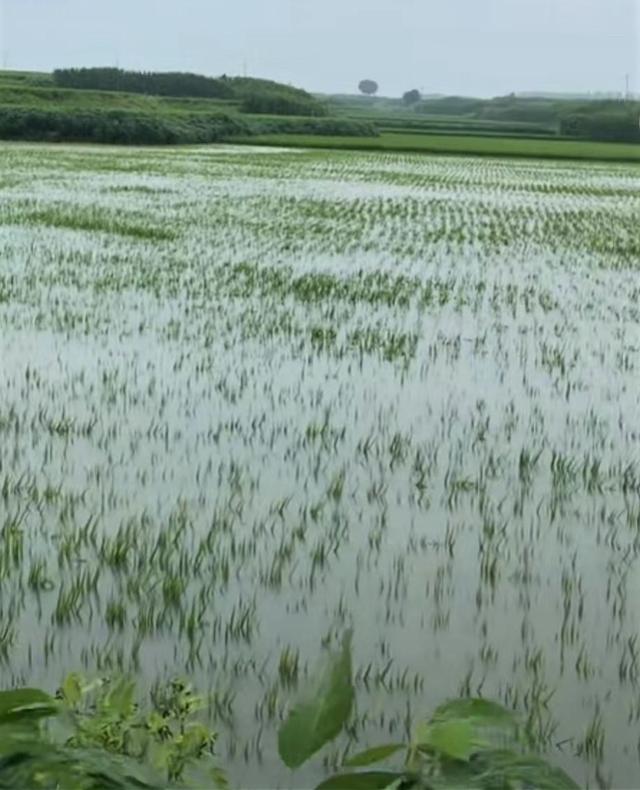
(335, 127)
(253, 95)
(611, 121)
(595, 120)
(152, 83)
(280, 104)
(122, 127)
(116, 127)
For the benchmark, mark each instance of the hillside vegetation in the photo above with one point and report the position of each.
(109, 105)
(253, 95)
(114, 106)
(608, 120)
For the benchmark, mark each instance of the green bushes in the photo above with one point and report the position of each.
(454, 125)
(254, 95)
(281, 104)
(608, 122)
(95, 736)
(450, 105)
(137, 128)
(500, 109)
(265, 97)
(334, 127)
(524, 110)
(117, 127)
(153, 83)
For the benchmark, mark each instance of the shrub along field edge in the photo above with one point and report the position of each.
(134, 128)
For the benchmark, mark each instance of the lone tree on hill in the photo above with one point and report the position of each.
(411, 97)
(368, 87)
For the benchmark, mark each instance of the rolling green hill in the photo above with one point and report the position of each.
(89, 105)
(107, 105)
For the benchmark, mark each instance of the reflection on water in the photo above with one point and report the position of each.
(250, 398)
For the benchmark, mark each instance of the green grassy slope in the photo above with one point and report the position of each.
(465, 144)
(33, 107)
(73, 100)
(38, 90)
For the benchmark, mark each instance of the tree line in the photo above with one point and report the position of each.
(607, 121)
(152, 83)
(252, 95)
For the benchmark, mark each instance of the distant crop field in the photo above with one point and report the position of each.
(467, 144)
(254, 397)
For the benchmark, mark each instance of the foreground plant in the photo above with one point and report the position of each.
(95, 735)
(470, 743)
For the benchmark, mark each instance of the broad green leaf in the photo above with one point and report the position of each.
(508, 768)
(492, 726)
(14, 734)
(372, 780)
(38, 763)
(478, 709)
(319, 717)
(455, 775)
(375, 755)
(100, 770)
(72, 689)
(26, 704)
(451, 738)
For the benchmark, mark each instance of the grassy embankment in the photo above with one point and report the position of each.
(475, 145)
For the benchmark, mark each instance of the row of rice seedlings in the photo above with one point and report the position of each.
(250, 399)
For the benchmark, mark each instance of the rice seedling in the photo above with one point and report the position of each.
(252, 397)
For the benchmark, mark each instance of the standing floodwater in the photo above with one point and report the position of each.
(250, 398)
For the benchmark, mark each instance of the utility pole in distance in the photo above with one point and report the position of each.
(3, 34)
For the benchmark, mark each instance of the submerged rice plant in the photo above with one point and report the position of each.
(250, 398)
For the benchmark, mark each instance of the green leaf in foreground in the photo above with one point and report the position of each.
(450, 738)
(26, 704)
(372, 780)
(462, 727)
(319, 717)
(482, 710)
(374, 755)
(455, 775)
(37, 764)
(508, 769)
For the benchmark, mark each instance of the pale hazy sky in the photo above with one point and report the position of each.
(481, 47)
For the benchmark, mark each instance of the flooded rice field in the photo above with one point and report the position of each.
(251, 398)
